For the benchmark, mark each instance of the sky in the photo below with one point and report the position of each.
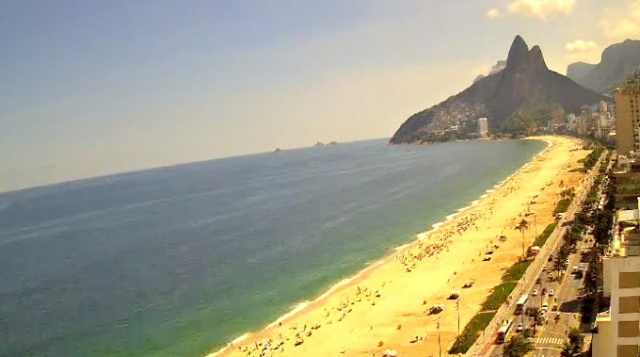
(89, 88)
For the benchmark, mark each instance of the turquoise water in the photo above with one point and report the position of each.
(178, 261)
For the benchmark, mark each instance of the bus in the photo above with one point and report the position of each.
(521, 304)
(503, 331)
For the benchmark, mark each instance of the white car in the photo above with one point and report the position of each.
(551, 292)
(519, 328)
(545, 307)
(534, 292)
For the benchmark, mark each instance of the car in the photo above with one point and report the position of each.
(543, 292)
(454, 295)
(539, 280)
(487, 258)
(550, 258)
(534, 292)
(545, 307)
(542, 314)
(519, 328)
(551, 292)
(436, 309)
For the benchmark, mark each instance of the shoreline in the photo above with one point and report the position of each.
(299, 309)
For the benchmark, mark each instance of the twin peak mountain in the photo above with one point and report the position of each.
(498, 97)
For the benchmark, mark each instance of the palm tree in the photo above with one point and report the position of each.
(522, 226)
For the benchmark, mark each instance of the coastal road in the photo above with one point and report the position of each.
(552, 336)
(487, 346)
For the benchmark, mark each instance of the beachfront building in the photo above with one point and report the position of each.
(626, 97)
(617, 331)
(625, 180)
(483, 127)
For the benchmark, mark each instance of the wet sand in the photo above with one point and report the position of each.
(386, 306)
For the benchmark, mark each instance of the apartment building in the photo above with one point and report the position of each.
(626, 97)
(617, 332)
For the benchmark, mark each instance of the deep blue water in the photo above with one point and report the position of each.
(177, 261)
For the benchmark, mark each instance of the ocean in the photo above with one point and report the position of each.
(179, 261)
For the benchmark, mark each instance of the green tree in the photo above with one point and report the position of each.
(517, 346)
(560, 262)
(522, 227)
(576, 339)
(590, 282)
(567, 351)
(574, 346)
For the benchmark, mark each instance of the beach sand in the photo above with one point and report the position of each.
(386, 306)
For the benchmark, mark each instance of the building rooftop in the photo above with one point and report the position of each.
(628, 215)
(626, 234)
(603, 316)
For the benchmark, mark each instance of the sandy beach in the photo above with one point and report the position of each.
(386, 306)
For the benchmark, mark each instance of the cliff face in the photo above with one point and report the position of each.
(579, 70)
(526, 79)
(617, 62)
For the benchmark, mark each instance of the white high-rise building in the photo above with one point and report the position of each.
(483, 127)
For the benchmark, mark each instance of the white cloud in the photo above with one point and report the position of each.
(542, 9)
(493, 13)
(619, 26)
(581, 46)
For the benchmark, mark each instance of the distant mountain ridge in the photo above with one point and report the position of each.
(617, 62)
(525, 79)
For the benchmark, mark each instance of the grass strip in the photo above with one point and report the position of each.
(471, 332)
(516, 271)
(542, 238)
(562, 206)
(499, 295)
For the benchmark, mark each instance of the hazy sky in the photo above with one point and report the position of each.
(95, 87)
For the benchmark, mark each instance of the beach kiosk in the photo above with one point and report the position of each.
(534, 250)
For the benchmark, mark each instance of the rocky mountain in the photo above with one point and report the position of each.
(498, 97)
(499, 66)
(617, 62)
(579, 70)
